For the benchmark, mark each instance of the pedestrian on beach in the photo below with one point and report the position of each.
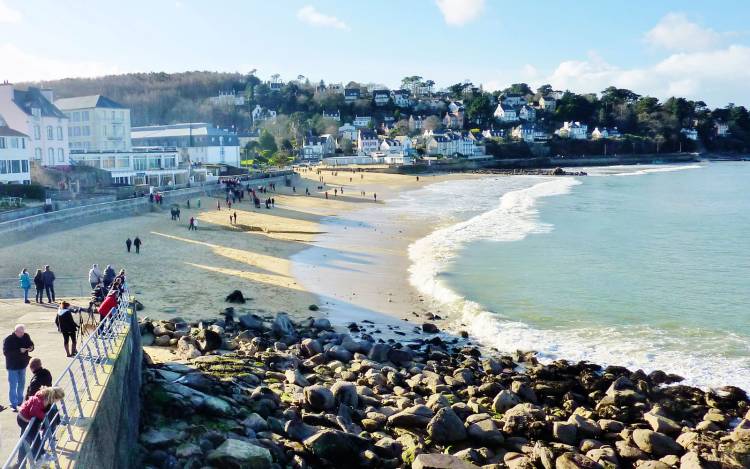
(218, 205)
(36, 408)
(49, 283)
(66, 325)
(108, 277)
(335, 192)
(16, 348)
(40, 377)
(273, 202)
(307, 191)
(137, 243)
(95, 276)
(24, 281)
(199, 203)
(39, 284)
(191, 224)
(326, 194)
(235, 218)
(195, 224)
(188, 203)
(128, 242)
(375, 196)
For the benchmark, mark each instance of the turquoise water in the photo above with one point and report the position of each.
(643, 268)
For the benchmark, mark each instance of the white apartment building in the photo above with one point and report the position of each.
(31, 112)
(198, 142)
(155, 166)
(367, 142)
(96, 123)
(573, 130)
(15, 152)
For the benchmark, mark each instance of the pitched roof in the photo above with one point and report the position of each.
(33, 98)
(87, 102)
(6, 131)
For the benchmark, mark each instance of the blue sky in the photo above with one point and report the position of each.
(696, 49)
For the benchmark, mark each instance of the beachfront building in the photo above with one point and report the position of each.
(573, 130)
(529, 133)
(367, 142)
(348, 132)
(197, 142)
(15, 155)
(31, 112)
(315, 148)
(506, 113)
(547, 103)
(155, 166)
(96, 123)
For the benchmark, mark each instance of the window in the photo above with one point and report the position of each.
(85, 116)
(76, 131)
(139, 163)
(24, 166)
(51, 155)
(155, 162)
(36, 112)
(23, 142)
(123, 162)
(105, 130)
(50, 132)
(169, 162)
(85, 130)
(60, 155)
(75, 116)
(2, 142)
(37, 133)
(3, 167)
(108, 162)
(14, 142)
(38, 153)
(59, 133)
(15, 166)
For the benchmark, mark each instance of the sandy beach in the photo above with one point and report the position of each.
(187, 273)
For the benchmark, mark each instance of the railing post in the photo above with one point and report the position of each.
(75, 393)
(64, 409)
(93, 365)
(85, 379)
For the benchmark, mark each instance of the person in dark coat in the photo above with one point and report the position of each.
(41, 377)
(39, 284)
(49, 283)
(128, 242)
(67, 326)
(16, 348)
(137, 243)
(109, 277)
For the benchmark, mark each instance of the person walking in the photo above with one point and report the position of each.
(95, 275)
(49, 284)
(36, 408)
(137, 243)
(128, 242)
(24, 281)
(40, 377)
(191, 224)
(235, 218)
(16, 348)
(39, 284)
(66, 325)
(188, 203)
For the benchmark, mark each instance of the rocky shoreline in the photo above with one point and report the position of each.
(254, 391)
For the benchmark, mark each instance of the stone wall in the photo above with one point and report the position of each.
(113, 432)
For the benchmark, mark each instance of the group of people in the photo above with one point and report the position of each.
(156, 198)
(136, 243)
(39, 399)
(43, 280)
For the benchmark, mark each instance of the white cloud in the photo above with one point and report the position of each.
(8, 14)
(676, 32)
(308, 14)
(717, 77)
(460, 12)
(18, 65)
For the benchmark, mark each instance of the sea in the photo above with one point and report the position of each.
(643, 266)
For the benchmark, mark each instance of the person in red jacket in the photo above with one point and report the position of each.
(35, 408)
(109, 303)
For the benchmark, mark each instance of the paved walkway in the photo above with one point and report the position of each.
(48, 345)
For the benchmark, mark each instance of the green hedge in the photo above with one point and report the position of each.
(28, 191)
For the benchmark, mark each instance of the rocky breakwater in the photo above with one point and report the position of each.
(260, 392)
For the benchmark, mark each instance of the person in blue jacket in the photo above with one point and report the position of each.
(24, 281)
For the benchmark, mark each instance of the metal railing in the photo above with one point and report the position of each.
(40, 443)
(64, 287)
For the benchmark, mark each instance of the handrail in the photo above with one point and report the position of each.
(83, 371)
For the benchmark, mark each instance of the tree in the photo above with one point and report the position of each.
(544, 90)
(479, 109)
(432, 123)
(266, 142)
(518, 88)
(574, 107)
(281, 159)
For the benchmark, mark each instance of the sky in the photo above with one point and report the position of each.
(690, 48)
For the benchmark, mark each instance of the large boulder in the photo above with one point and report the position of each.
(565, 432)
(575, 461)
(483, 429)
(440, 461)
(319, 397)
(235, 297)
(161, 438)
(208, 340)
(415, 416)
(505, 400)
(282, 326)
(345, 393)
(337, 447)
(446, 427)
(657, 444)
(248, 321)
(187, 349)
(238, 454)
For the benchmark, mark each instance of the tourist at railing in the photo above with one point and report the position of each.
(67, 326)
(16, 348)
(39, 284)
(24, 281)
(49, 283)
(41, 377)
(95, 276)
(109, 304)
(109, 277)
(36, 408)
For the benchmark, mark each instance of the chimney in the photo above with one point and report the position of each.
(6, 92)
(48, 94)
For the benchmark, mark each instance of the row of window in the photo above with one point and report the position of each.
(79, 116)
(12, 142)
(50, 132)
(14, 166)
(50, 154)
(140, 163)
(76, 131)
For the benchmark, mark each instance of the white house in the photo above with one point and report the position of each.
(391, 147)
(96, 123)
(260, 114)
(527, 113)
(506, 113)
(318, 147)
(31, 112)
(407, 144)
(606, 133)
(721, 129)
(415, 125)
(228, 99)
(438, 144)
(351, 94)
(493, 133)
(401, 98)
(514, 100)
(529, 133)
(690, 134)
(574, 130)
(367, 142)
(15, 153)
(548, 103)
(156, 166)
(348, 132)
(362, 121)
(381, 97)
(198, 142)
(332, 115)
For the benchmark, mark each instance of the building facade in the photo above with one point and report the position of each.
(96, 123)
(31, 112)
(367, 142)
(15, 153)
(197, 142)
